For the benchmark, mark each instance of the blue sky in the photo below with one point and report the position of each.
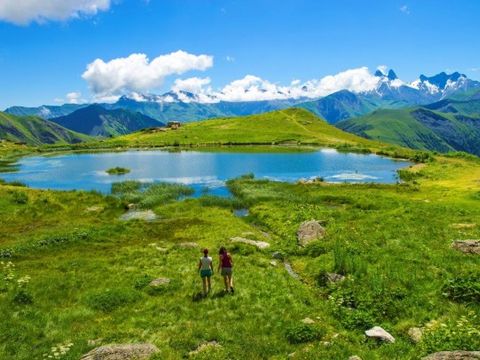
(279, 41)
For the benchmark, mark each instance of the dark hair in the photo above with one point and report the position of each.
(205, 252)
(222, 250)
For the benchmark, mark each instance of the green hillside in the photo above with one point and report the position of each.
(36, 131)
(290, 126)
(420, 128)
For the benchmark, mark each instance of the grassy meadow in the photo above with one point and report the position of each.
(74, 276)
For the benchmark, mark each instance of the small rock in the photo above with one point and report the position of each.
(273, 263)
(467, 246)
(354, 357)
(159, 282)
(334, 277)
(131, 206)
(415, 334)
(378, 333)
(308, 321)
(454, 355)
(204, 347)
(147, 215)
(122, 352)
(310, 231)
(259, 244)
(290, 270)
(94, 209)
(463, 226)
(188, 245)
(278, 255)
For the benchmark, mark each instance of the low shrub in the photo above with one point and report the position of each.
(22, 297)
(19, 197)
(302, 333)
(464, 288)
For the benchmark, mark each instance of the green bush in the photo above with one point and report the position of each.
(22, 297)
(19, 197)
(302, 333)
(463, 288)
(110, 300)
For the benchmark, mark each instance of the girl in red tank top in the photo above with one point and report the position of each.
(225, 265)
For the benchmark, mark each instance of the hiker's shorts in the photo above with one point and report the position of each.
(205, 273)
(226, 271)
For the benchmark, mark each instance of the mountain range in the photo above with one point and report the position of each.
(390, 92)
(439, 112)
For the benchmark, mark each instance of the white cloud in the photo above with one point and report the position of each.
(73, 97)
(405, 9)
(136, 73)
(254, 88)
(194, 85)
(22, 12)
(230, 58)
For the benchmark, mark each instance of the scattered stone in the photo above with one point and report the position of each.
(278, 255)
(308, 321)
(204, 347)
(159, 282)
(378, 333)
(131, 206)
(188, 245)
(354, 357)
(454, 355)
(94, 208)
(334, 277)
(259, 244)
(463, 226)
(415, 334)
(290, 271)
(467, 246)
(122, 352)
(273, 263)
(310, 231)
(147, 215)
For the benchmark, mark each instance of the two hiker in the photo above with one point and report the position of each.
(225, 264)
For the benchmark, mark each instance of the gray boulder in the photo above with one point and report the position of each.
(122, 352)
(378, 333)
(454, 355)
(467, 246)
(309, 231)
(259, 244)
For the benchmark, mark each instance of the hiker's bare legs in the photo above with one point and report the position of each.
(227, 282)
(230, 281)
(204, 280)
(209, 284)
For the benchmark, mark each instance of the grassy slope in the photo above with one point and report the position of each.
(392, 242)
(443, 132)
(284, 127)
(35, 131)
